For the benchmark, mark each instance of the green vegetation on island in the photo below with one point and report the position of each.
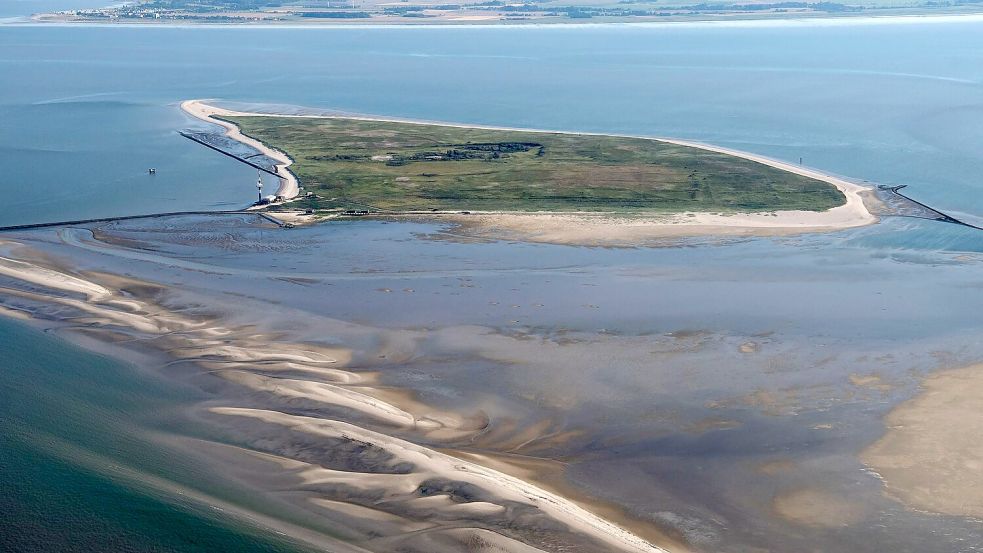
(406, 166)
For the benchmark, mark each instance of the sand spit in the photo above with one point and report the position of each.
(51, 279)
(354, 444)
(624, 229)
(585, 229)
(454, 481)
(288, 182)
(930, 458)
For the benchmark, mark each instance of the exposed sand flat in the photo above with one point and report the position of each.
(338, 459)
(50, 279)
(288, 182)
(494, 486)
(93, 314)
(324, 393)
(594, 229)
(623, 230)
(301, 218)
(930, 458)
(330, 375)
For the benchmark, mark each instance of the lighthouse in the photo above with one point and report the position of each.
(259, 187)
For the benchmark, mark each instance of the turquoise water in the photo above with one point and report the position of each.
(84, 111)
(87, 110)
(72, 459)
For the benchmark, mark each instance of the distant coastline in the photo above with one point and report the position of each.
(873, 16)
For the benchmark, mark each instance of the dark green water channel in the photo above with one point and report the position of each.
(64, 413)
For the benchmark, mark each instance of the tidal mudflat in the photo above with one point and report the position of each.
(394, 385)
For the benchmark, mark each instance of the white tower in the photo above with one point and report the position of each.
(259, 186)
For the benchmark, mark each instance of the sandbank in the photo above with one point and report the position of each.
(929, 458)
(288, 187)
(331, 462)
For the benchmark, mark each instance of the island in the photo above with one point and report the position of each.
(542, 185)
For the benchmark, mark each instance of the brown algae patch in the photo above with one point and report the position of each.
(930, 458)
(778, 466)
(712, 424)
(817, 508)
(871, 381)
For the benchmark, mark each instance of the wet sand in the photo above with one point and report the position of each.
(288, 186)
(930, 457)
(396, 392)
(355, 468)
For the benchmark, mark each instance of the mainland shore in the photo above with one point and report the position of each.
(599, 228)
(889, 16)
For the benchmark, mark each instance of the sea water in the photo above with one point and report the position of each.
(76, 470)
(86, 110)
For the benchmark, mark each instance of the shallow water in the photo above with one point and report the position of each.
(885, 103)
(77, 465)
(640, 348)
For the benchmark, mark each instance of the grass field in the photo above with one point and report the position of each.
(403, 166)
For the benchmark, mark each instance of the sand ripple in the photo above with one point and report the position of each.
(402, 494)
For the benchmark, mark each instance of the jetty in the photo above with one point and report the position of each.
(919, 210)
(197, 138)
(32, 226)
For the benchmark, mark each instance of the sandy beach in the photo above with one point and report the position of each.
(288, 186)
(925, 458)
(602, 229)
